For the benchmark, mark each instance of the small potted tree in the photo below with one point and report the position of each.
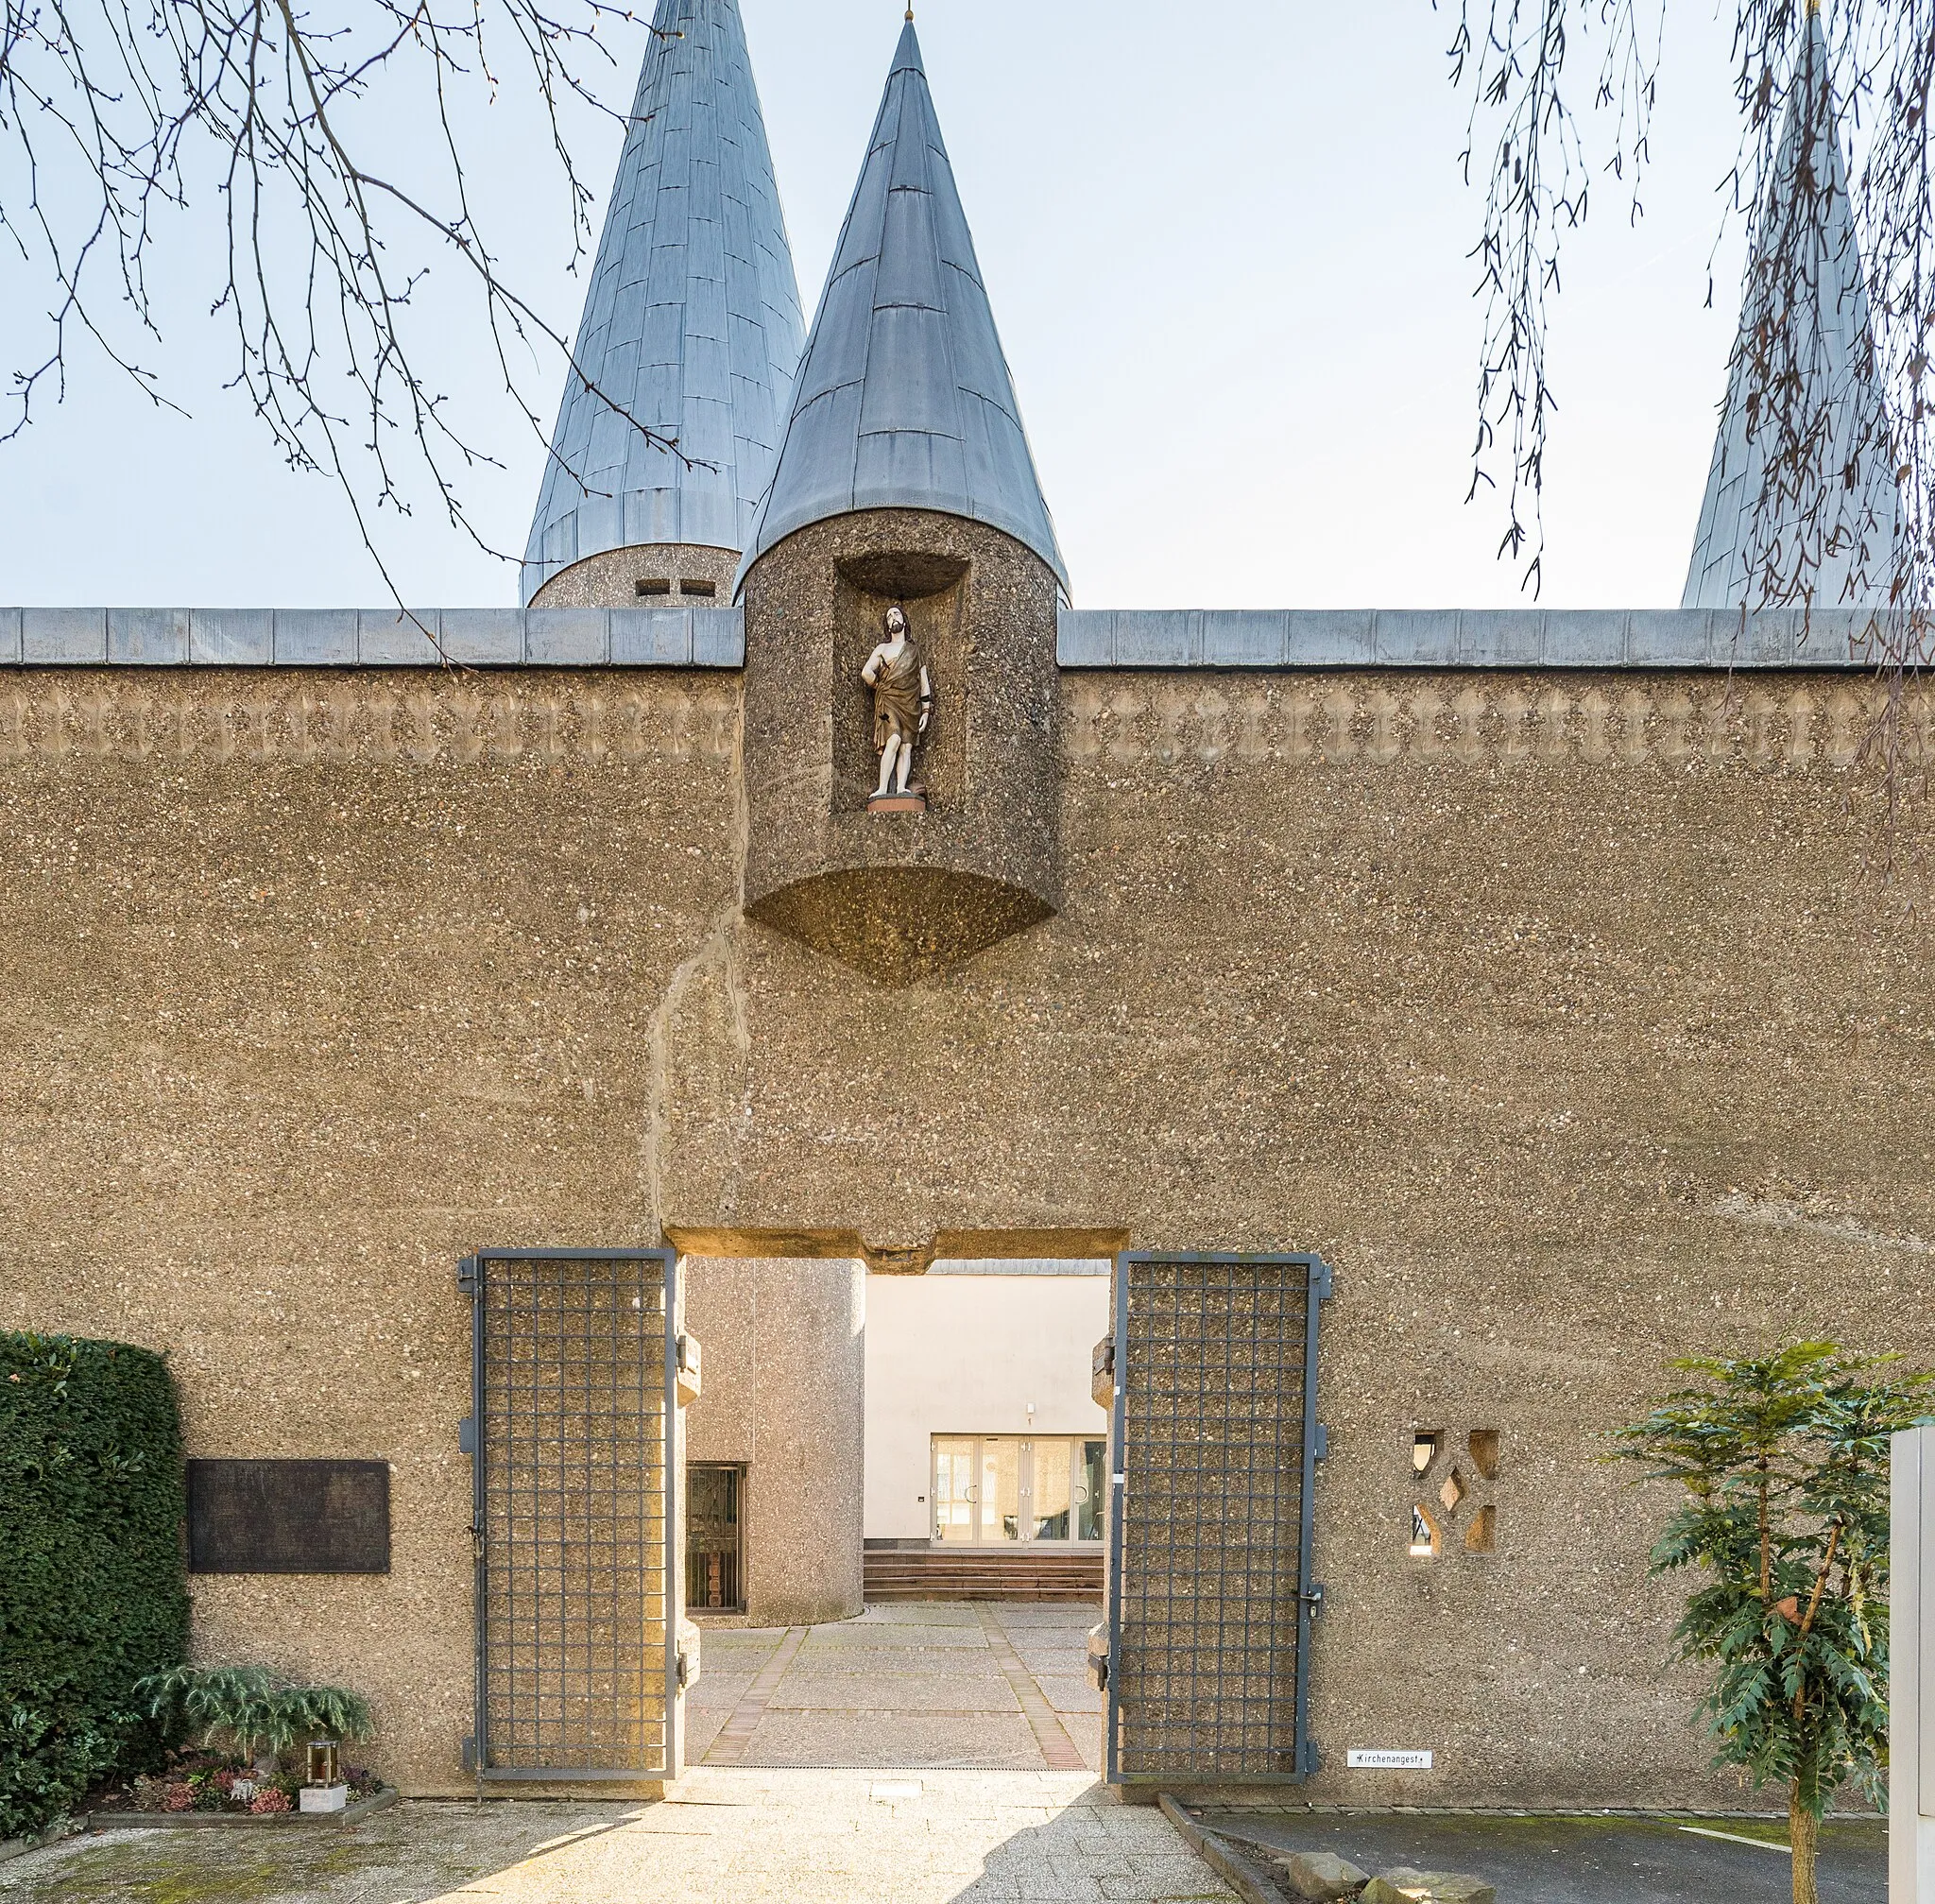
(1782, 1462)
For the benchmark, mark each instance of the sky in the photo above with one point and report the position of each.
(1228, 250)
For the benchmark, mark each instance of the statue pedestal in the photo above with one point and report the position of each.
(913, 801)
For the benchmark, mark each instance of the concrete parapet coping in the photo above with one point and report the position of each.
(365, 638)
(1467, 638)
(1088, 638)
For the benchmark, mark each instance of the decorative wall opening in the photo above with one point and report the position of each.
(657, 585)
(1451, 1507)
(690, 585)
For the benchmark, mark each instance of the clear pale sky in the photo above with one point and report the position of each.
(1227, 251)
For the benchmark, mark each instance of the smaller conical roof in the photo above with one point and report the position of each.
(1824, 532)
(691, 320)
(903, 399)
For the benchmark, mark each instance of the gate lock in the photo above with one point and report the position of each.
(1312, 1597)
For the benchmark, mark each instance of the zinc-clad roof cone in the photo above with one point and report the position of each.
(1823, 534)
(903, 399)
(692, 319)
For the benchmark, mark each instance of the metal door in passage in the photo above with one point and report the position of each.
(574, 1430)
(1215, 1442)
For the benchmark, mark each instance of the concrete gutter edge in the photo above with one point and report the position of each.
(1229, 1863)
(18, 1847)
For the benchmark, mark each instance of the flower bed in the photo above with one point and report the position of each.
(201, 1781)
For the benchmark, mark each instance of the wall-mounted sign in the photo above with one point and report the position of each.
(1358, 1759)
(288, 1517)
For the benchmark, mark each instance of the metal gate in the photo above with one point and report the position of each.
(1215, 1442)
(574, 1430)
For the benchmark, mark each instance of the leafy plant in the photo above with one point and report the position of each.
(93, 1592)
(1782, 1464)
(259, 1711)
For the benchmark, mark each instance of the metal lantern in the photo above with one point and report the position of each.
(325, 1757)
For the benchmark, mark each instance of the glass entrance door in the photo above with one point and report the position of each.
(999, 1490)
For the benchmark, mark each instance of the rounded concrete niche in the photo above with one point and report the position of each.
(901, 895)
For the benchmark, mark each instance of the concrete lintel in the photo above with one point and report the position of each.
(906, 1257)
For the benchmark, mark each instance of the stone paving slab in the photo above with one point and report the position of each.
(943, 1689)
(896, 1740)
(724, 1837)
(930, 1637)
(914, 1692)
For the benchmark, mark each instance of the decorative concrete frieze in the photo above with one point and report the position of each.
(428, 720)
(1769, 724)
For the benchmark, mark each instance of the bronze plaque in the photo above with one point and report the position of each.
(288, 1517)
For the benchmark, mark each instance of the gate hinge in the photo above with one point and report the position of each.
(1311, 1760)
(467, 1276)
(1312, 1597)
(1320, 1449)
(469, 1755)
(1320, 1272)
(467, 1436)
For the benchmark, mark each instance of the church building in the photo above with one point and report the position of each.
(804, 1063)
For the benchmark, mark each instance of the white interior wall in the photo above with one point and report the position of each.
(966, 1354)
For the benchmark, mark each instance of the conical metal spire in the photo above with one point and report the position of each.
(1824, 535)
(904, 399)
(692, 322)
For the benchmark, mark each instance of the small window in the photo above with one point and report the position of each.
(689, 587)
(1424, 1451)
(1485, 1451)
(715, 1537)
(1481, 1536)
(661, 586)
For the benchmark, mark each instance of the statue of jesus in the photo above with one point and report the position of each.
(902, 703)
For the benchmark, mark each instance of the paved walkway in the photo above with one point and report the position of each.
(943, 1684)
(726, 1837)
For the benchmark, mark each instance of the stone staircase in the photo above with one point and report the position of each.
(916, 1573)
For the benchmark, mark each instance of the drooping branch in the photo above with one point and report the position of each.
(116, 114)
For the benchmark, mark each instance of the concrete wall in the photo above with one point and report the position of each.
(966, 1355)
(1566, 1014)
(784, 1394)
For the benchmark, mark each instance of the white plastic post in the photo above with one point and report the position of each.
(1911, 1656)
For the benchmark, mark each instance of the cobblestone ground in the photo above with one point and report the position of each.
(741, 1835)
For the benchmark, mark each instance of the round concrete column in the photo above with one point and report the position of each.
(784, 1391)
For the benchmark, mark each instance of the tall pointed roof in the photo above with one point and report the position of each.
(692, 322)
(903, 399)
(1826, 534)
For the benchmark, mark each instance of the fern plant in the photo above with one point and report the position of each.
(1782, 1460)
(262, 1714)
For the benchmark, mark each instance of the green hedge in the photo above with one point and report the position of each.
(92, 1590)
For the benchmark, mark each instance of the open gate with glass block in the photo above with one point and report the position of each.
(1215, 1443)
(577, 1513)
